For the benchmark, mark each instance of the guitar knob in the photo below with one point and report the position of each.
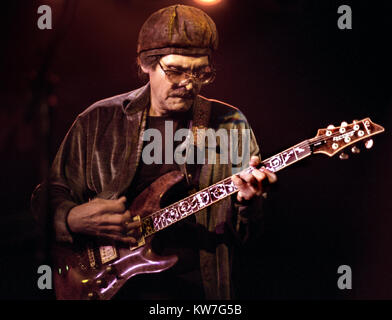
(355, 150)
(343, 156)
(331, 126)
(102, 283)
(344, 124)
(111, 269)
(369, 143)
(92, 296)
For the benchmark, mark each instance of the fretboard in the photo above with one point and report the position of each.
(184, 208)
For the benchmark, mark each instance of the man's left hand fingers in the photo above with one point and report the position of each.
(251, 179)
(259, 175)
(272, 178)
(248, 185)
(254, 161)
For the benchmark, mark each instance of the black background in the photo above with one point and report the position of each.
(285, 64)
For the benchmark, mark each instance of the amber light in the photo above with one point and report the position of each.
(208, 2)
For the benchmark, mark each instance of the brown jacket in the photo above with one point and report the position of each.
(99, 157)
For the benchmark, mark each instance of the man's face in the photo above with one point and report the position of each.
(168, 97)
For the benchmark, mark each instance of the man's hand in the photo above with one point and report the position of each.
(250, 184)
(103, 218)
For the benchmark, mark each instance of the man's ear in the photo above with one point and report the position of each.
(144, 69)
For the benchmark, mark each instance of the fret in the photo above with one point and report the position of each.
(204, 198)
(288, 157)
(188, 206)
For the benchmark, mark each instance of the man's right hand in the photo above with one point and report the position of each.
(104, 218)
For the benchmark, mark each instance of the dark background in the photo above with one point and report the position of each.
(284, 63)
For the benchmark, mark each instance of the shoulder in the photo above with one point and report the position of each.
(108, 105)
(223, 113)
(120, 105)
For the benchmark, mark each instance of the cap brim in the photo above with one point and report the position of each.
(177, 50)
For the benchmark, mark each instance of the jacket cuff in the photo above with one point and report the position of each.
(246, 208)
(62, 231)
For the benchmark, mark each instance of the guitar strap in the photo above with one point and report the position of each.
(200, 121)
(215, 276)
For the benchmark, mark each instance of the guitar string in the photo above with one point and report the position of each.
(159, 212)
(304, 143)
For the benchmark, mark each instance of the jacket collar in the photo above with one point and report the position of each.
(137, 100)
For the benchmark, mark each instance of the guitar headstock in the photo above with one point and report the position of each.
(332, 140)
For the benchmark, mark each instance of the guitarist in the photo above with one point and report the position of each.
(101, 164)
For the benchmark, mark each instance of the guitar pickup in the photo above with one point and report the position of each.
(140, 241)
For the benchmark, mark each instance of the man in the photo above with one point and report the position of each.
(101, 165)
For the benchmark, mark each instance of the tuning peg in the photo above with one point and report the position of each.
(331, 126)
(355, 149)
(344, 124)
(369, 143)
(343, 156)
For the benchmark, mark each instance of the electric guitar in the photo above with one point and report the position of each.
(97, 270)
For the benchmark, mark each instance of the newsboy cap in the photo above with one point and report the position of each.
(178, 29)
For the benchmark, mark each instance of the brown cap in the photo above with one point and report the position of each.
(178, 29)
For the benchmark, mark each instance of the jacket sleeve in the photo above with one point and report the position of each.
(67, 181)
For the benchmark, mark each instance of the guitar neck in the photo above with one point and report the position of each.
(204, 198)
(288, 156)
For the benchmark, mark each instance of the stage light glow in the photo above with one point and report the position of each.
(208, 2)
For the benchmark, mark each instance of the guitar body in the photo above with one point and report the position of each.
(94, 269)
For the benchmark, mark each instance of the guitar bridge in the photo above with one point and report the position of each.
(107, 253)
(140, 241)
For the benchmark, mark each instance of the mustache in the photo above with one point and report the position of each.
(183, 93)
